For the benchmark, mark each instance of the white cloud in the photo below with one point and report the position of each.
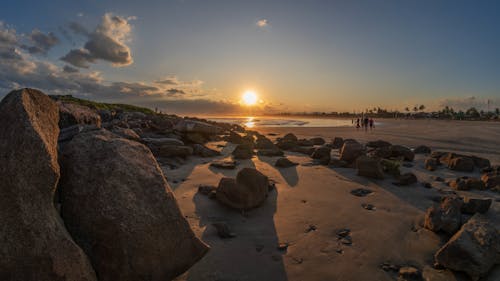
(262, 23)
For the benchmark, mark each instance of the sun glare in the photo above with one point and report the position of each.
(249, 98)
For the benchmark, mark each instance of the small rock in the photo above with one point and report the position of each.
(369, 207)
(431, 164)
(311, 227)
(343, 232)
(409, 272)
(361, 192)
(422, 149)
(283, 246)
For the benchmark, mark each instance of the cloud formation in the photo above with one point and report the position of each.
(468, 102)
(262, 23)
(107, 43)
(40, 42)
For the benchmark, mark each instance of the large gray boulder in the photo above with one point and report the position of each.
(34, 245)
(247, 191)
(119, 208)
(475, 249)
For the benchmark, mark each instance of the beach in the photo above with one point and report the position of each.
(312, 202)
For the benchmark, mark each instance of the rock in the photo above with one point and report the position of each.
(223, 230)
(153, 143)
(337, 163)
(361, 192)
(431, 164)
(284, 163)
(122, 212)
(466, 183)
(402, 151)
(439, 179)
(474, 249)
(74, 114)
(431, 274)
(304, 142)
(270, 152)
(378, 144)
(383, 152)
(422, 149)
(337, 143)
(195, 138)
(406, 179)
(224, 164)
(203, 151)
(351, 151)
(174, 151)
(290, 137)
(243, 151)
(303, 150)
(318, 141)
(234, 138)
(446, 217)
(206, 189)
(322, 153)
(286, 144)
(480, 163)
(265, 143)
(369, 167)
(247, 191)
(491, 179)
(126, 133)
(191, 126)
(409, 273)
(475, 205)
(462, 164)
(66, 134)
(33, 240)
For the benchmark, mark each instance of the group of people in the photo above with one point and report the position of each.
(365, 123)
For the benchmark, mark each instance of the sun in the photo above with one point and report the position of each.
(249, 98)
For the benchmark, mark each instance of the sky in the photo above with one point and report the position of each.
(200, 56)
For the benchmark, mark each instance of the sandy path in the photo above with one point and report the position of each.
(312, 195)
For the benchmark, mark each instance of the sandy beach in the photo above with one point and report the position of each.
(312, 202)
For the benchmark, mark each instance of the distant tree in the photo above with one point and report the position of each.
(421, 107)
(407, 109)
(472, 112)
(497, 111)
(415, 108)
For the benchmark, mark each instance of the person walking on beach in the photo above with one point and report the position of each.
(371, 123)
(365, 123)
(357, 123)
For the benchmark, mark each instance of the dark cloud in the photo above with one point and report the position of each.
(172, 80)
(175, 92)
(192, 106)
(106, 42)
(69, 69)
(40, 43)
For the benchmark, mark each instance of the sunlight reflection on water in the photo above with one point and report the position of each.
(268, 121)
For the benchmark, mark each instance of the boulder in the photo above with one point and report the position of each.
(475, 205)
(422, 149)
(270, 152)
(33, 240)
(304, 142)
(303, 150)
(285, 163)
(317, 141)
(122, 212)
(322, 153)
(351, 151)
(157, 142)
(431, 164)
(290, 137)
(264, 143)
(234, 137)
(466, 183)
(203, 151)
(383, 152)
(406, 179)
(369, 167)
(378, 144)
(337, 143)
(195, 138)
(286, 144)
(402, 151)
(174, 151)
(337, 163)
(491, 179)
(126, 133)
(243, 151)
(192, 126)
(475, 249)
(462, 164)
(74, 114)
(224, 164)
(247, 191)
(446, 217)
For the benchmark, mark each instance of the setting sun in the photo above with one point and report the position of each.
(249, 98)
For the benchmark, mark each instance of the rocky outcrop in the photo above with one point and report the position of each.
(33, 241)
(243, 151)
(337, 143)
(446, 217)
(247, 191)
(475, 249)
(191, 126)
(75, 114)
(351, 151)
(119, 208)
(369, 167)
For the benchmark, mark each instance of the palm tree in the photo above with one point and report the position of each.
(407, 109)
(421, 107)
(497, 111)
(415, 108)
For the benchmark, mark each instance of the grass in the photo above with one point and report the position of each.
(100, 105)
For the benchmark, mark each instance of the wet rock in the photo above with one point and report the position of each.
(337, 163)
(422, 149)
(406, 179)
(446, 217)
(322, 154)
(431, 164)
(203, 151)
(247, 191)
(474, 249)
(108, 204)
(462, 164)
(378, 144)
(337, 143)
(475, 205)
(223, 230)
(361, 192)
(284, 163)
(369, 167)
(174, 151)
(318, 141)
(33, 240)
(303, 150)
(351, 151)
(402, 151)
(243, 151)
(224, 164)
(270, 152)
(304, 142)
(368, 207)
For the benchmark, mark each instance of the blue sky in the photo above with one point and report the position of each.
(305, 55)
